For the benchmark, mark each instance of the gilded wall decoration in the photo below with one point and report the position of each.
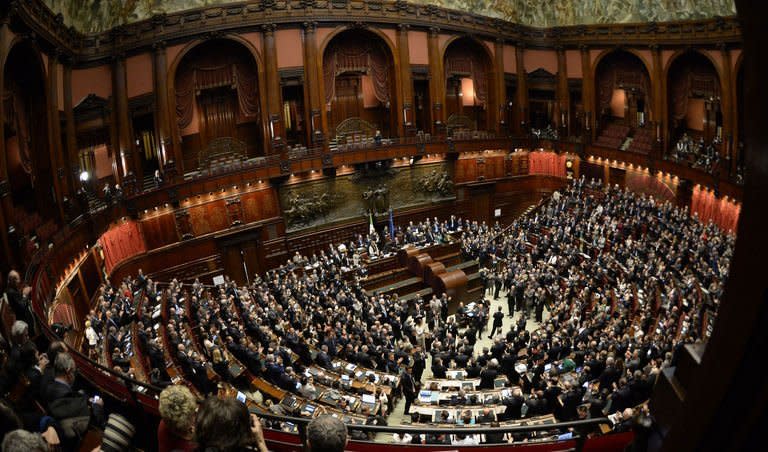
(354, 196)
(92, 16)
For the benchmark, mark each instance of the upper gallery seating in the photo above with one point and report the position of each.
(612, 136)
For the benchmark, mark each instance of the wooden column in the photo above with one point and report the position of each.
(313, 91)
(733, 143)
(6, 36)
(5, 198)
(275, 122)
(500, 88)
(563, 119)
(406, 82)
(659, 120)
(522, 89)
(6, 205)
(170, 154)
(587, 94)
(58, 171)
(124, 154)
(70, 142)
(436, 81)
(726, 105)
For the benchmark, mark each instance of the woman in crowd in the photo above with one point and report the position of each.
(176, 431)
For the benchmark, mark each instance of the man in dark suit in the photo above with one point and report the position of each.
(322, 359)
(513, 405)
(473, 369)
(511, 301)
(18, 298)
(438, 369)
(488, 375)
(72, 409)
(486, 416)
(408, 387)
(497, 282)
(609, 376)
(419, 364)
(498, 321)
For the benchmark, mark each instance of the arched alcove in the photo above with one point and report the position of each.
(693, 98)
(359, 85)
(217, 104)
(738, 146)
(622, 90)
(28, 159)
(468, 79)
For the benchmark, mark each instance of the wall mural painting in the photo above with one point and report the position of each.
(354, 196)
(92, 16)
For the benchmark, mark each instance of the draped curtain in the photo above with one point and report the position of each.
(361, 57)
(693, 81)
(679, 97)
(604, 93)
(184, 98)
(621, 74)
(194, 80)
(120, 243)
(546, 163)
(722, 212)
(472, 64)
(16, 114)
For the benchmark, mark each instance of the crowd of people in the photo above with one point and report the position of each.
(39, 395)
(625, 282)
(699, 154)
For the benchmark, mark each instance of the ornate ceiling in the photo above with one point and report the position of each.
(99, 15)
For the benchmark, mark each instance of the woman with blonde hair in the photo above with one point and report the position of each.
(178, 409)
(91, 337)
(221, 365)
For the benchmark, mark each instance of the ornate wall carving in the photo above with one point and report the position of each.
(353, 196)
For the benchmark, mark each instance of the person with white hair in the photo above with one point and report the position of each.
(19, 332)
(72, 409)
(24, 441)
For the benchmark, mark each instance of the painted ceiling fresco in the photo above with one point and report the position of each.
(92, 16)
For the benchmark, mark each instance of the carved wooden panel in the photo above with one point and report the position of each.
(183, 225)
(234, 211)
(159, 230)
(252, 206)
(209, 217)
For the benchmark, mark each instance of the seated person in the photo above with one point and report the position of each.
(486, 416)
(466, 418)
(445, 417)
(308, 389)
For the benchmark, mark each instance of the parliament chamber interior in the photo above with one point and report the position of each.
(374, 225)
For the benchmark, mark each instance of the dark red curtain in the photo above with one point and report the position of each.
(467, 58)
(120, 243)
(546, 163)
(357, 56)
(723, 212)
